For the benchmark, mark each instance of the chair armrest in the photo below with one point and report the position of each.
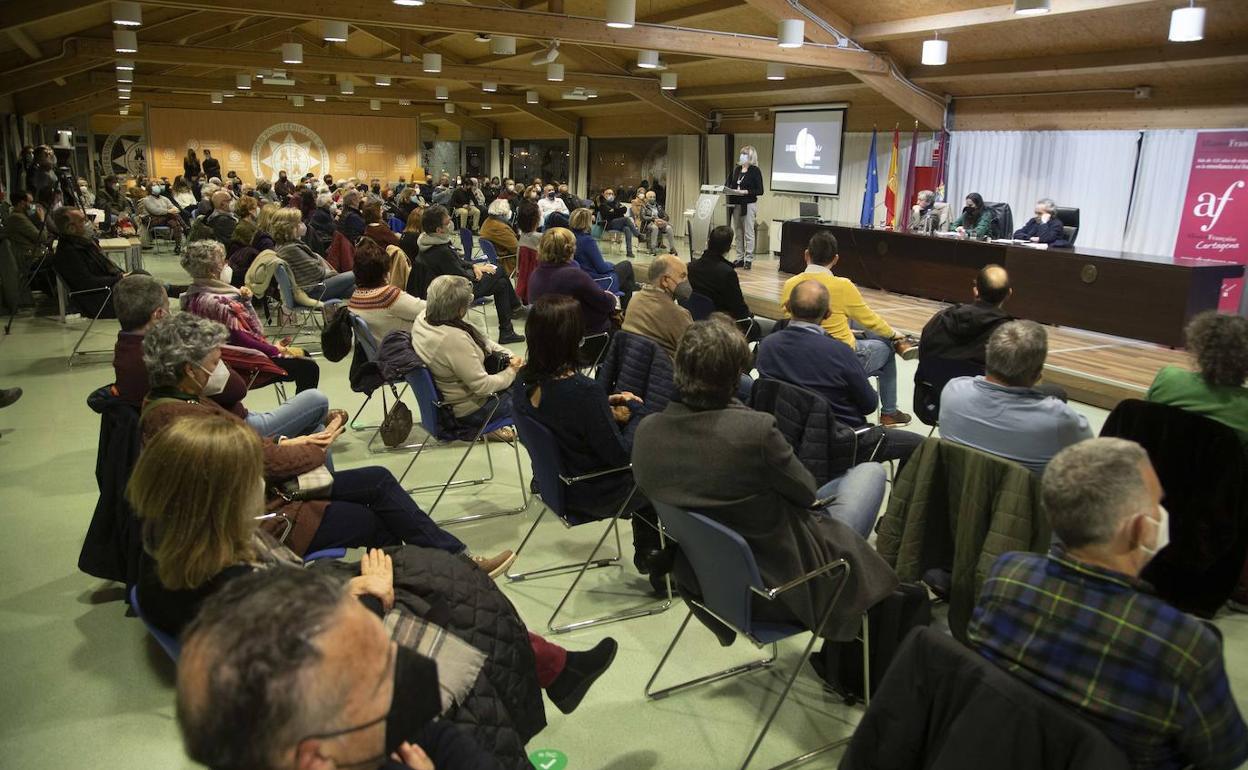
(285, 519)
(595, 474)
(772, 593)
(604, 282)
(91, 291)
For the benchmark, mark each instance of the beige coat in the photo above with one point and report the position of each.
(261, 273)
(458, 365)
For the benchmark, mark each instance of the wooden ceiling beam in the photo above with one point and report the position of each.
(40, 99)
(687, 13)
(264, 104)
(829, 83)
(84, 106)
(553, 119)
(978, 18)
(15, 14)
(572, 29)
(465, 122)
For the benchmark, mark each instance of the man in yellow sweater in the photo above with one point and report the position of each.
(875, 348)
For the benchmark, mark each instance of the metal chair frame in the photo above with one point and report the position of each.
(364, 337)
(285, 286)
(770, 594)
(108, 293)
(589, 368)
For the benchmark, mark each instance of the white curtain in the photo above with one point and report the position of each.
(1160, 186)
(1090, 170)
(682, 178)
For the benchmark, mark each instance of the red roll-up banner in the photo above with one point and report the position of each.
(1215, 210)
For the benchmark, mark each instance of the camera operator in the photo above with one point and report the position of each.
(42, 172)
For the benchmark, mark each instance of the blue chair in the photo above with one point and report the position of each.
(371, 347)
(301, 314)
(465, 238)
(430, 403)
(729, 580)
(699, 306)
(396, 225)
(552, 483)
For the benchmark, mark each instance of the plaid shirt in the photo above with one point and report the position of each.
(1150, 676)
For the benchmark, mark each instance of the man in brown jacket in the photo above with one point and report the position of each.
(653, 311)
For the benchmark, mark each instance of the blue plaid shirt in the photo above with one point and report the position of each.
(1150, 676)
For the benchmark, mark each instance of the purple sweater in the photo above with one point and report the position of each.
(597, 304)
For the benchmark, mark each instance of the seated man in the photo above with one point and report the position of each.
(928, 215)
(465, 206)
(802, 354)
(438, 257)
(162, 212)
(1078, 624)
(550, 203)
(221, 221)
(82, 265)
(960, 332)
(712, 276)
(875, 348)
(655, 224)
(1044, 227)
(1002, 412)
(28, 239)
(653, 311)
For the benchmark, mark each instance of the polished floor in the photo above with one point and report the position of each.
(82, 686)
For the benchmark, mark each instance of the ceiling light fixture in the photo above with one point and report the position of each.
(126, 14)
(405, 102)
(1031, 7)
(125, 41)
(334, 31)
(242, 81)
(449, 109)
(775, 71)
(318, 98)
(125, 76)
(503, 45)
(554, 72)
(621, 14)
(592, 93)
(125, 65)
(431, 62)
(648, 60)
(409, 3)
(217, 98)
(489, 87)
(296, 100)
(667, 81)
(374, 104)
(123, 95)
(1187, 25)
(382, 80)
(487, 107)
(531, 97)
(935, 51)
(346, 87)
(481, 37)
(441, 92)
(791, 34)
(123, 88)
(292, 53)
(547, 56)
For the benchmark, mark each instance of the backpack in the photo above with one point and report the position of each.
(337, 338)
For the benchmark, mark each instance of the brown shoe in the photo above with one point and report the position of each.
(495, 565)
(906, 349)
(341, 414)
(894, 419)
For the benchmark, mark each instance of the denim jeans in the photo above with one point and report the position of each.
(626, 226)
(303, 413)
(340, 286)
(876, 355)
(859, 492)
(369, 509)
(470, 422)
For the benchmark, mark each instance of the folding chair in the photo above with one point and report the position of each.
(465, 238)
(930, 379)
(251, 365)
(430, 403)
(729, 580)
(286, 287)
(65, 296)
(369, 345)
(593, 347)
(491, 255)
(552, 482)
(699, 306)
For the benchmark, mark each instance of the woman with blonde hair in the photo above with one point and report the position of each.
(616, 278)
(558, 273)
(310, 272)
(743, 186)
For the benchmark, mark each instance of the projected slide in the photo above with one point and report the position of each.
(806, 152)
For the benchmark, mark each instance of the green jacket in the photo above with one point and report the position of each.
(981, 228)
(958, 506)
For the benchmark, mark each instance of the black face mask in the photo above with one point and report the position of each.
(376, 188)
(417, 700)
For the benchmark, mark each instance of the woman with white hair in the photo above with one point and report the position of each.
(497, 230)
(743, 186)
(323, 216)
(1044, 227)
(456, 354)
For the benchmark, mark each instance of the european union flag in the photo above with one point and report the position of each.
(873, 186)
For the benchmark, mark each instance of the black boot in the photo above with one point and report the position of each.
(579, 673)
(645, 539)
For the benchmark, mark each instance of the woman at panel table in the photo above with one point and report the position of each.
(975, 219)
(742, 208)
(1044, 227)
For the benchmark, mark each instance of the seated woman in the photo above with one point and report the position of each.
(497, 230)
(409, 241)
(594, 430)
(385, 308)
(1218, 345)
(351, 220)
(362, 507)
(557, 273)
(589, 257)
(263, 237)
(201, 534)
(528, 220)
(614, 217)
(308, 270)
(711, 454)
(713, 277)
(456, 352)
(975, 221)
(322, 217)
(1044, 227)
(375, 227)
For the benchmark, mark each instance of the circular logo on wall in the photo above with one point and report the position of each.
(288, 147)
(341, 159)
(360, 149)
(192, 144)
(236, 156)
(400, 160)
(361, 175)
(124, 149)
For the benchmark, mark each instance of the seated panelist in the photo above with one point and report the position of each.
(1044, 227)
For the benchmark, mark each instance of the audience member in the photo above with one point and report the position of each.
(211, 166)
(437, 257)
(221, 222)
(975, 221)
(614, 217)
(162, 212)
(1044, 227)
(1218, 345)
(653, 311)
(960, 332)
(1079, 625)
(557, 274)
(283, 188)
(110, 198)
(655, 224)
(497, 230)
(211, 298)
(351, 220)
(310, 271)
(323, 216)
(1002, 412)
(619, 276)
(465, 207)
(713, 277)
(594, 430)
(383, 307)
(878, 343)
(709, 453)
(456, 354)
(802, 354)
(28, 239)
(375, 227)
(82, 265)
(528, 222)
(183, 196)
(551, 203)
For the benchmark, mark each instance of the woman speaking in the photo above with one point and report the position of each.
(744, 185)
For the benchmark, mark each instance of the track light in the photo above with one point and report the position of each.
(405, 102)
(334, 31)
(382, 80)
(318, 98)
(554, 72)
(123, 88)
(1031, 7)
(292, 53)
(621, 14)
(441, 92)
(126, 14)
(1187, 25)
(242, 81)
(667, 81)
(409, 3)
(935, 51)
(775, 71)
(123, 95)
(125, 41)
(431, 62)
(791, 34)
(530, 97)
(502, 45)
(217, 98)
(648, 60)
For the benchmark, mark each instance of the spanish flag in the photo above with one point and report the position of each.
(890, 191)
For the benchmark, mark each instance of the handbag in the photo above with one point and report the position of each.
(315, 484)
(496, 361)
(337, 338)
(397, 424)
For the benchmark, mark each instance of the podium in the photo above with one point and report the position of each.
(698, 225)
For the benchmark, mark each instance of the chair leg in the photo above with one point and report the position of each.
(707, 679)
(351, 424)
(76, 352)
(452, 483)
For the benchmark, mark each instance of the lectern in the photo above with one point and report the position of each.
(699, 225)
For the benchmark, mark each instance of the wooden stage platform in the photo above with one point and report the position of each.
(1094, 368)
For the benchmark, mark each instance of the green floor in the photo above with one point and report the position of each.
(82, 685)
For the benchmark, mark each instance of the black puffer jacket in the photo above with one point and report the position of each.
(504, 709)
(639, 366)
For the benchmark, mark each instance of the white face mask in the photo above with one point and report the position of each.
(1162, 524)
(217, 379)
(303, 230)
(744, 159)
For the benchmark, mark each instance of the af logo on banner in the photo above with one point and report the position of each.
(1215, 210)
(288, 147)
